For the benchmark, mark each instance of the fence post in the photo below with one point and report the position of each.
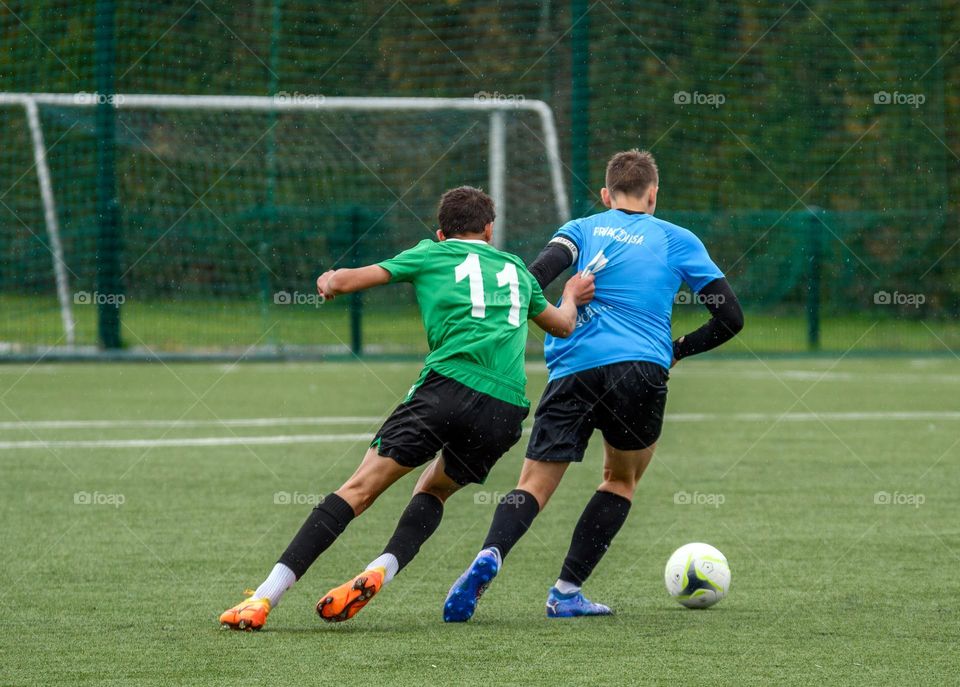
(268, 219)
(814, 276)
(273, 83)
(356, 298)
(497, 173)
(108, 206)
(267, 299)
(579, 106)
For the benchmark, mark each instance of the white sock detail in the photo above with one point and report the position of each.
(388, 561)
(565, 587)
(496, 554)
(281, 578)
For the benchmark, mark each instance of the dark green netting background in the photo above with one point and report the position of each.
(810, 144)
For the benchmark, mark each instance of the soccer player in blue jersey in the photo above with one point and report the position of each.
(611, 375)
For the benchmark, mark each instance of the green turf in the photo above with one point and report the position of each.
(392, 325)
(828, 587)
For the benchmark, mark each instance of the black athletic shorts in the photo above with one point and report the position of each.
(472, 429)
(625, 401)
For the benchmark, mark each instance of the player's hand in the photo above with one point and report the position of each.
(323, 287)
(580, 289)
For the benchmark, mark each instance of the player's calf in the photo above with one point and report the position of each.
(417, 523)
(599, 523)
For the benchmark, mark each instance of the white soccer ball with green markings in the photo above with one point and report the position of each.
(697, 575)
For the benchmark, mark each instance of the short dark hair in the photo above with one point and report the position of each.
(464, 210)
(631, 172)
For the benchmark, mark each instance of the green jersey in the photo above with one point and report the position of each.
(475, 301)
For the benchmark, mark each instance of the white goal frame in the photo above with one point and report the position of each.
(497, 162)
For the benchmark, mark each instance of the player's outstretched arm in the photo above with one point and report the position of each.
(726, 321)
(561, 321)
(333, 283)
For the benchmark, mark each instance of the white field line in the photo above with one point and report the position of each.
(866, 416)
(187, 424)
(195, 441)
(855, 416)
(372, 419)
(814, 375)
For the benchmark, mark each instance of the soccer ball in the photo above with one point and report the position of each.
(697, 575)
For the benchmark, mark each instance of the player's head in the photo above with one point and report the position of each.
(632, 181)
(465, 211)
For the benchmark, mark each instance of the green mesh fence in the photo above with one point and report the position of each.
(809, 144)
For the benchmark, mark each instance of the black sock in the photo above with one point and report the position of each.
(513, 517)
(326, 522)
(598, 525)
(419, 520)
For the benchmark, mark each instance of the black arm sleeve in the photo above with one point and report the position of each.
(553, 260)
(725, 322)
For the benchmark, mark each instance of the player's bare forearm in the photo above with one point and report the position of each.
(562, 321)
(557, 321)
(335, 283)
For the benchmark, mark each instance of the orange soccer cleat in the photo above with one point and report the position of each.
(250, 614)
(343, 602)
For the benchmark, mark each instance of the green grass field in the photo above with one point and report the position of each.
(829, 586)
(392, 325)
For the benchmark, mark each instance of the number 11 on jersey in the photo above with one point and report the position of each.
(470, 269)
(508, 277)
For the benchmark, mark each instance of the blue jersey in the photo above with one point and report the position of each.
(639, 262)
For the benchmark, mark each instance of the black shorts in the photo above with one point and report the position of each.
(471, 428)
(625, 401)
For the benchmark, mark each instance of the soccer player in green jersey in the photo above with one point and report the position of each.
(467, 405)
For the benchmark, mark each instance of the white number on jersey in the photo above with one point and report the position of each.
(470, 269)
(508, 275)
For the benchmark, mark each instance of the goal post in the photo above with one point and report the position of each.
(537, 135)
(49, 209)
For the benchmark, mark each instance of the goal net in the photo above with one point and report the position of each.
(228, 207)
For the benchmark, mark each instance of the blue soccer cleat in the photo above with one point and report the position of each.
(466, 591)
(572, 605)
